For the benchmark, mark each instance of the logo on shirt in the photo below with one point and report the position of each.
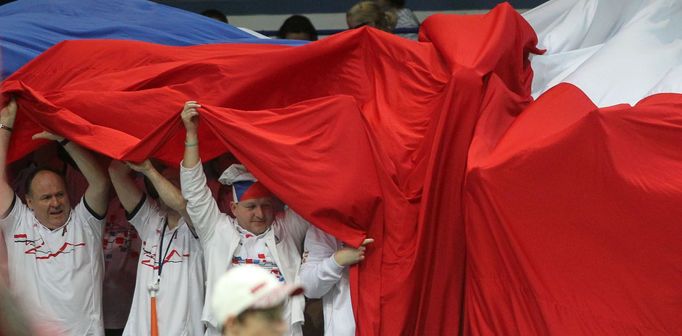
(263, 262)
(37, 247)
(173, 257)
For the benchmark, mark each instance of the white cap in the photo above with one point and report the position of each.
(248, 286)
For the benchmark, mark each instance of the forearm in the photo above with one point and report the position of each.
(320, 276)
(169, 194)
(97, 194)
(6, 192)
(128, 193)
(201, 207)
(191, 156)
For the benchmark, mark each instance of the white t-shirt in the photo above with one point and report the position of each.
(57, 274)
(180, 299)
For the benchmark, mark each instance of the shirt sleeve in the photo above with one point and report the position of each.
(319, 271)
(15, 213)
(142, 217)
(201, 206)
(94, 221)
(295, 225)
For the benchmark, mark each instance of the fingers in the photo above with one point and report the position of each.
(138, 167)
(191, 106)
(41, 135)
(190, 114)
(130, 165)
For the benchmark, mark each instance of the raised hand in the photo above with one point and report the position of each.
(190, 116)
(9, 113)
(47, 136)
(143, 167)
(348, 256)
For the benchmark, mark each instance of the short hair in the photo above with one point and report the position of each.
(369, 13)
(297, 24)
(397, 3)
(215, 14)
(32, 175)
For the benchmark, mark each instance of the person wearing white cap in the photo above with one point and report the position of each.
(256, 236)
(248, 300)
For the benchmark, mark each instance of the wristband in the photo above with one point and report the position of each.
(191, 144)
(5, 127)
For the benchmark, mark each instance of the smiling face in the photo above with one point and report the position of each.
(255, 215)
(48, 199)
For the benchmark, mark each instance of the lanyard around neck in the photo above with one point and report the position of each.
(162, 258)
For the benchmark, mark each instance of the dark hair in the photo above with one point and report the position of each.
(215, 14)
(397, 3)
(369, 13)
(32, 175)
(297, 24)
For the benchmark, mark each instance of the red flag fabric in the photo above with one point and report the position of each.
(491, 215)
(363, 133)
(573, 219)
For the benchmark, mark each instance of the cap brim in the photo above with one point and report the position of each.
(277, 295)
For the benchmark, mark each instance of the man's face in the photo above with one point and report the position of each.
(48, 199)
(255, 215)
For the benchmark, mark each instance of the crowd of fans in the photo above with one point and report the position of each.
(387, 15)
(200, 249)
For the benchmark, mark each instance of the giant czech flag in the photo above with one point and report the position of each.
(29, 27)
(494, 213)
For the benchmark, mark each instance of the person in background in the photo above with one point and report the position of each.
(297, 27)
(121, 246)
(250, 301)
(324, 274)
(369, 13)
(215, 14)
(405, 18)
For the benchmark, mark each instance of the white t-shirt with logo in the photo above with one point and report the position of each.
(57, 274)
(180, 299)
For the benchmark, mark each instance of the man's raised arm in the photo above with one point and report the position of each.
(7, 116)
(97, 193)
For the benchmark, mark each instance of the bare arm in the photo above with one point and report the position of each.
(7, 116)
(97, 194)
(169, 194)
(128, 193)
(190, 118)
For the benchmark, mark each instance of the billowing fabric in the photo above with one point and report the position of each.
(615, 51)
(29, 27)
(363, 134)
(573, 206)
(492, 214)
